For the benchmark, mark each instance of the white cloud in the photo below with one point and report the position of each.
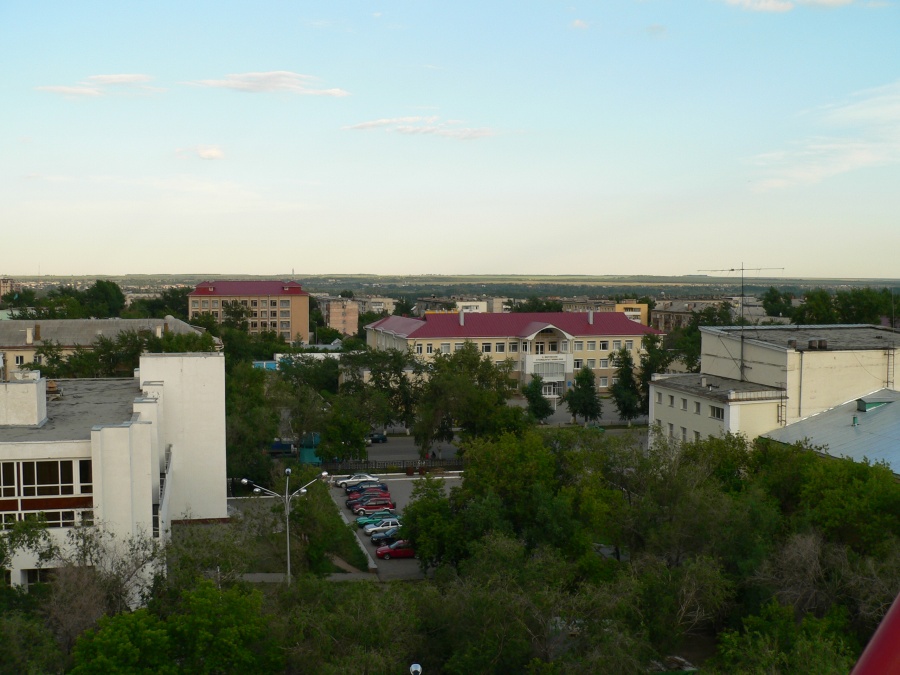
(78, 90)
(99, 85)
(275, 80)
(210, 152)
(580, 24)
(763, 5)
(865, 132)
(425, 126)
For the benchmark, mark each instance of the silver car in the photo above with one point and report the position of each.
(382, 526)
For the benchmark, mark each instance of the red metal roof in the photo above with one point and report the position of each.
(237, 288)
(515, 324)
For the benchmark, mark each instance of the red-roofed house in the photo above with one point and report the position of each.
(554, 345)
(279, 306)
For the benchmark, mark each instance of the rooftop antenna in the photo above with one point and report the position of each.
(743, 269)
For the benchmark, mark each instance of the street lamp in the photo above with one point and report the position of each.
(286, 499)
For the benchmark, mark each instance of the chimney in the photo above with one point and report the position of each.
(462, 318)
(29, 336)
(591, 317)
(37, 331)
(855, 421)
(158, 331)
(792, 344)
(702, 381)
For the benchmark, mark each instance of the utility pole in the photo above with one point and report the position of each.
(743, 269)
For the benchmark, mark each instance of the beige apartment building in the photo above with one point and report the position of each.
(378, 305)
(554, 345)
(755, 379)
(277, 306)
(341, 314)
(8, 285)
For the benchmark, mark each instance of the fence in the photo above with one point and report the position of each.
(393, 466)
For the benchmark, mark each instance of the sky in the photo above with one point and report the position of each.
(660, 137)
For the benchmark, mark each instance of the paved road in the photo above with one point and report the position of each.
(401, 489)
(404, 447)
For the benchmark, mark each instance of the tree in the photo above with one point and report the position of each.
(346, 293)
(251, 422)
(685, 342)
(535, 304)
(235, 315)
(625, 391)
(654, 359)
(103, 300)
(817, 308)
(583, 398)
(396, 375)
(538, 406)
(777, 303)
(404, 307)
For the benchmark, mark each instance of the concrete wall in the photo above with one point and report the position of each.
(193, 395)
(23, 403)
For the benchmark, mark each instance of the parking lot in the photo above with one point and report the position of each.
(400, 487)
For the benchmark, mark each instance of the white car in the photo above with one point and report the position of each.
(355, 479)
(382, 526)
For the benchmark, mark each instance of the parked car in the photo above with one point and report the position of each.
(362, 521)
(359, 487)
(381, 526)
(386, 538)
(399, 549)
(356, 478)
(374, 504)
(377, 437)
(365, 496)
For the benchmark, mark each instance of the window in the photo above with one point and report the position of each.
(20, 359)
(604, 381)
(273, 303)
(716, 412)
(592, 363)
(615, 380)
(195, 304)
(538, 348)
(254, 303)
(604, 363)
(457, 346)
(564, 346)
(696, 435)
(429, 348)
(671, 430)
(486, 347)
(216, 314)
(659, 397)
(215, 304)
(284, 303)
(671, 401)
(500, 347)
(264, 314)
(286, 324)
(604, 346)
(525, 347)
(551, 346)
(629, 344)
(445, 348)
(243, 303)
(254, 315)
(204, 304)
(285, 313)
(684, 404)
(418, 349)
(577, 364)
(617, 345)
(696, 407)
(513, 347)
(683, 434)
(45, 478)
(591, 345)
(578, 346)
(253, 324)
(8, 479)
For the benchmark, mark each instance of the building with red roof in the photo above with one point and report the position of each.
(554, 345)
(277, 306)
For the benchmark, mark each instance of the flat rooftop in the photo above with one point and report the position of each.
(718, 388)
(84, 403)
(837, 337)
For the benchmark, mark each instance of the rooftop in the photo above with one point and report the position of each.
(71, 332)
(875, 436)
(84, 403)
(241, 288)
(836, 337)
(718, 388)
(515, 324)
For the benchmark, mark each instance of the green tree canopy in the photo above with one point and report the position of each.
(625, 391)
(583, 399)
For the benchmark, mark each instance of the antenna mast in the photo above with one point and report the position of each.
(743, 269)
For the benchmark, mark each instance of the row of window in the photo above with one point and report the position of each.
(590, 363)
(544, 347)
(50, 518)
(214, 304)
(45, 478)
(683, 436)
(716, 412)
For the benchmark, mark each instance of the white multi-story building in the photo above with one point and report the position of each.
(757, 378)
(134, 454)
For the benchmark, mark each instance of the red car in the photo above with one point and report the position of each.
(374, 504)
(353, 501)
(399, 549)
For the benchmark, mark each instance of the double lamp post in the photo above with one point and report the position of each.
(286, 499)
